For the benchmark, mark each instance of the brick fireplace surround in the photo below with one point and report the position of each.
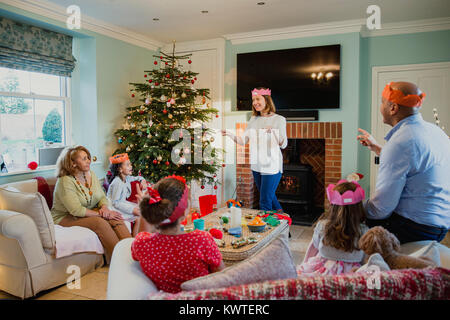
(331, 132)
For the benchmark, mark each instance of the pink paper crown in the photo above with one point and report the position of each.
(348, 197)
(262, 92)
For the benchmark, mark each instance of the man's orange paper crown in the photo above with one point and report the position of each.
(398, 97)
(119, 158)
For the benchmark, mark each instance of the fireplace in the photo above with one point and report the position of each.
(314, 144)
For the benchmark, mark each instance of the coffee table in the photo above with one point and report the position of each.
(231, 255)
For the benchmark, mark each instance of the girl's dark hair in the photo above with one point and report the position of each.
(171, 190)
(114, 169)
(342, 229)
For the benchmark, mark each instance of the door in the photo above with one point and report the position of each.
(432, 78)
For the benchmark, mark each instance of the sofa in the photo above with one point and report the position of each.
(126, 281)
(28, 255)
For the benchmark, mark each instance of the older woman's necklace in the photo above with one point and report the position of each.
(86, 184)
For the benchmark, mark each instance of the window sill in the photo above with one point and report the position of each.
(39, 169)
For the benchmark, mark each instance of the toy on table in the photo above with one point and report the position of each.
(237, 232)
(256, 225)
(233, 203)
(216, 233)
(239, 243)
(272, 221)
(220, 243)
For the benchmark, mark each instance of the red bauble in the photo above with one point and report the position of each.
(150, 80)
(141, 111)
(167, 75)
(216, 233)
(164, 111)
(217, 115)
(145, 76)
(155, 62)
(189, 61)
(203, 187)
(156, 83)
(155, 161)
(184, 78)
(167, 63)
(161, 57)
(171, 127)
(223, 165)
(215, 187)
(192, 81)
(167, 163)
(195, 78)
(132, 95)
(33, 165)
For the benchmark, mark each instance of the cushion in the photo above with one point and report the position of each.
(34, 206)
(44, 189)
(374, 260)
(271, 263)
(430, 251)
(75, 239)
(444, 251)
(404, 284)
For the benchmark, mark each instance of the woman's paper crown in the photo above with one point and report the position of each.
(262, 92)
(348, 197)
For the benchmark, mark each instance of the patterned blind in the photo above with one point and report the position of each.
(35, 49)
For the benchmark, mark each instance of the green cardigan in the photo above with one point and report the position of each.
(69, 199)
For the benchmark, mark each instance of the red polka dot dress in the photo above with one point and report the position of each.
(170, 260)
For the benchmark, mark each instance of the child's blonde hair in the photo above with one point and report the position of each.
(343, 222)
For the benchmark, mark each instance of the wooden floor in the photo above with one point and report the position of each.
(93, 285)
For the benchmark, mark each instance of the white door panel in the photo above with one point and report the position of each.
(432, 78)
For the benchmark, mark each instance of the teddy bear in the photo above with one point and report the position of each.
(379, 240)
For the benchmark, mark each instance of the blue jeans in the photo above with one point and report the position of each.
(267, 185)
(407, 230)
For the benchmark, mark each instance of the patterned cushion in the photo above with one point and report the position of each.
(273, 262)
(405, 284)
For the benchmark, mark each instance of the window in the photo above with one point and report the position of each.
(34, 109)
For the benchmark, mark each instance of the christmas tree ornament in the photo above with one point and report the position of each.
(163, 98)
(155, 161)
(167, 75)
(174, 95)
(189, 61)
(132, 95)
(150, 80)
(202, 186)
(148, 101)
(159, 158)
(168, 104)
(215, 187)
(203, 100)
(126, 125)
(164, 111)
(176, 151)
(172, 101)
(33, 165)
(128, 149)
(170, 116)
(120, 140)
(212, 139)
(183, 95)
(155, 63)
(145, 76)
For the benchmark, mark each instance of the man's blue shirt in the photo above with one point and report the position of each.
(414, 174)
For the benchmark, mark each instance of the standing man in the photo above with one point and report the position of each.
(412, 194)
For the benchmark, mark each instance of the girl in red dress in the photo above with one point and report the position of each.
(170, 257)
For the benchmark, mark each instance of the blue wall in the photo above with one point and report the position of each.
(99, 87)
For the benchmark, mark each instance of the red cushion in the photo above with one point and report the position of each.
(44, 189)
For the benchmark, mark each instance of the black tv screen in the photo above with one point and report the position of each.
(301, 78)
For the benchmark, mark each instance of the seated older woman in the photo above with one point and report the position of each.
(79, 199)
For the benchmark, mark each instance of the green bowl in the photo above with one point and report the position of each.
(256, 228)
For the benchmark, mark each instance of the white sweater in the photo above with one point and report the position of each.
(265, 152)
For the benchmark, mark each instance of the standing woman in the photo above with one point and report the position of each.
(79, 199)
(266, 132)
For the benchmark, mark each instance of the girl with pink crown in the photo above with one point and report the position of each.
(334, 246)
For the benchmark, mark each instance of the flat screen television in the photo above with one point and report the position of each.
(300, 78)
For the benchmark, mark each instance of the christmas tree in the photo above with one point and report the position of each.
(165, 133)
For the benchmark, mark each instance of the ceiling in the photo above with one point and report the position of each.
(182, 20)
